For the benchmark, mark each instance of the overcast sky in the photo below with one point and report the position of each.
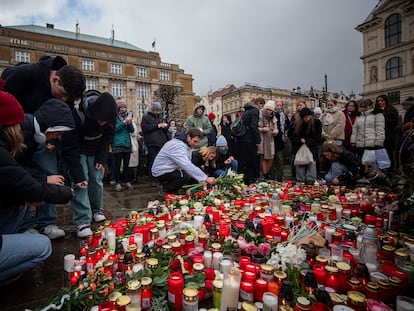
(276, 43)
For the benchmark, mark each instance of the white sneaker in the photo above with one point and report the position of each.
(84, 231)
(99, 217)
(31, 231)
(118, 188)
(128, 186)
(53, 232)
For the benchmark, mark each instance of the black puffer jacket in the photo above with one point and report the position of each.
(153, 135)
(251, 121)
(36, 81)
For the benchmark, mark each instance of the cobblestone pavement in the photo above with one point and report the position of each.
(36, 286)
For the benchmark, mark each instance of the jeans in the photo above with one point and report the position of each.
(89, 201)
(21, 252)
(45, 214)
(233, 165)
(337, 169)
(306, 173)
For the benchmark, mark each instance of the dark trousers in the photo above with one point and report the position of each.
(173, 181)
(152, 153)
(120, 157)
(248, 161)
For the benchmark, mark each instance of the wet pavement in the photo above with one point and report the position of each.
(35, 287)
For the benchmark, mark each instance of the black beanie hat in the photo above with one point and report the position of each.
(106, 108)
(305, 112)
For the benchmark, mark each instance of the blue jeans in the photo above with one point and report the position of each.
(233, 165)
(45, 214)
(337, 169)
(89, 201)
(21, 252)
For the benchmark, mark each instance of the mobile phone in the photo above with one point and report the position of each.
(129, 115)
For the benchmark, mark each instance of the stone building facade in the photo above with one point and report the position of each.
(388, 50)
(109, 65)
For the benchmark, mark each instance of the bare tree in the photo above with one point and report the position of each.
(169, 97)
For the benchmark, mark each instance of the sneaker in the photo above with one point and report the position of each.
(128, 186)
(53, 232)
(99, 217)
(84, 231)
(112, 182)
(118, 188)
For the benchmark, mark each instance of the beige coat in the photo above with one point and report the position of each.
(333, 124)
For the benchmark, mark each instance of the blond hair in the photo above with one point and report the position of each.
(206, 151)
(15, 137)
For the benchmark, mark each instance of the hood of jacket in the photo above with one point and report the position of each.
(56, 114)
(101, 108)
(196, 106)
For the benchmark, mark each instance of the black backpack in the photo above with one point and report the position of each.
(238, 128)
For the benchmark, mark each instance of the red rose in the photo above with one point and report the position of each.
(176, 265)
(210, 274)
(209, 285)
(201, 294)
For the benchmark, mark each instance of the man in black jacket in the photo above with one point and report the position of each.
(247, 144)
(32, 85)
(155, 133)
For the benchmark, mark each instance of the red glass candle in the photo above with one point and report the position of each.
(198, 258)
(343, 276)
(82, 251)
(247, 292)
(251, 267)
(319, 271)
(259, 289)
(319, 306)
(175, 290)
(249, 276)
(277, 233)
(370, 219)
(331, 278)
(146, 293)
(189, 244)
(243, 261)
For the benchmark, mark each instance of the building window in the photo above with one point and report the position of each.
(393, 30)
(142, 91)
(117, 89)
(394, 97)
(164, 75)
(142, 72)
(394, 68)
(90, 84)
(22, 56)
(116, 69)
(88, 65)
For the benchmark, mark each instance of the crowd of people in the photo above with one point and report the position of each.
(57, 142)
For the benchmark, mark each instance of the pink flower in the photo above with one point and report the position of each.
(251, 248)
(160, 241)
(242, 242)
(264, 248)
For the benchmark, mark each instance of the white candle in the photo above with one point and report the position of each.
(111, 239)
(230, 292)
(225, 266)
(288, 220)
(328, 233)
(138, 239)
(270, 302)
(208, 258)
(69, 262)
(198, 221)
(338, 209)
(217, 257)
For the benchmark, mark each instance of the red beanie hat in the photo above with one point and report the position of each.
(11, 112)
(211, 116)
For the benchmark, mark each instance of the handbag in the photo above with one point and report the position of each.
(383, 160)
(369, 157)
(304, 156)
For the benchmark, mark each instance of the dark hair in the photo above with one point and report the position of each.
(194, 132)
(388, 105)
(365, 103)
(72, 80)
(353, 101)
(259, 101)
(333, 148)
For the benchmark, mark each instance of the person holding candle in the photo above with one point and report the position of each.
(18, 189)
(172, 165)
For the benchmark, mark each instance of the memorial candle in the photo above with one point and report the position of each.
(175, 290)
(230, 292)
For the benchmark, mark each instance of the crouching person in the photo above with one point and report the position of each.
(338, 165)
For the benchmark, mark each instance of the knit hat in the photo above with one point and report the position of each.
(408, 101)
(11, 112)
(221, 141)
(156, 106)
(105, 108)
(270, 104)
(305, 112)
(211, 116)
(317, 110)
(121, 103)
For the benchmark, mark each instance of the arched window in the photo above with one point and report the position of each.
(394, 68)
(392, 30)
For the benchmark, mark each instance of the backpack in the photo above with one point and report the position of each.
(90, 96)
(238, 128)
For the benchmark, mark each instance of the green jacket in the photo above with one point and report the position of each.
(201, 122)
